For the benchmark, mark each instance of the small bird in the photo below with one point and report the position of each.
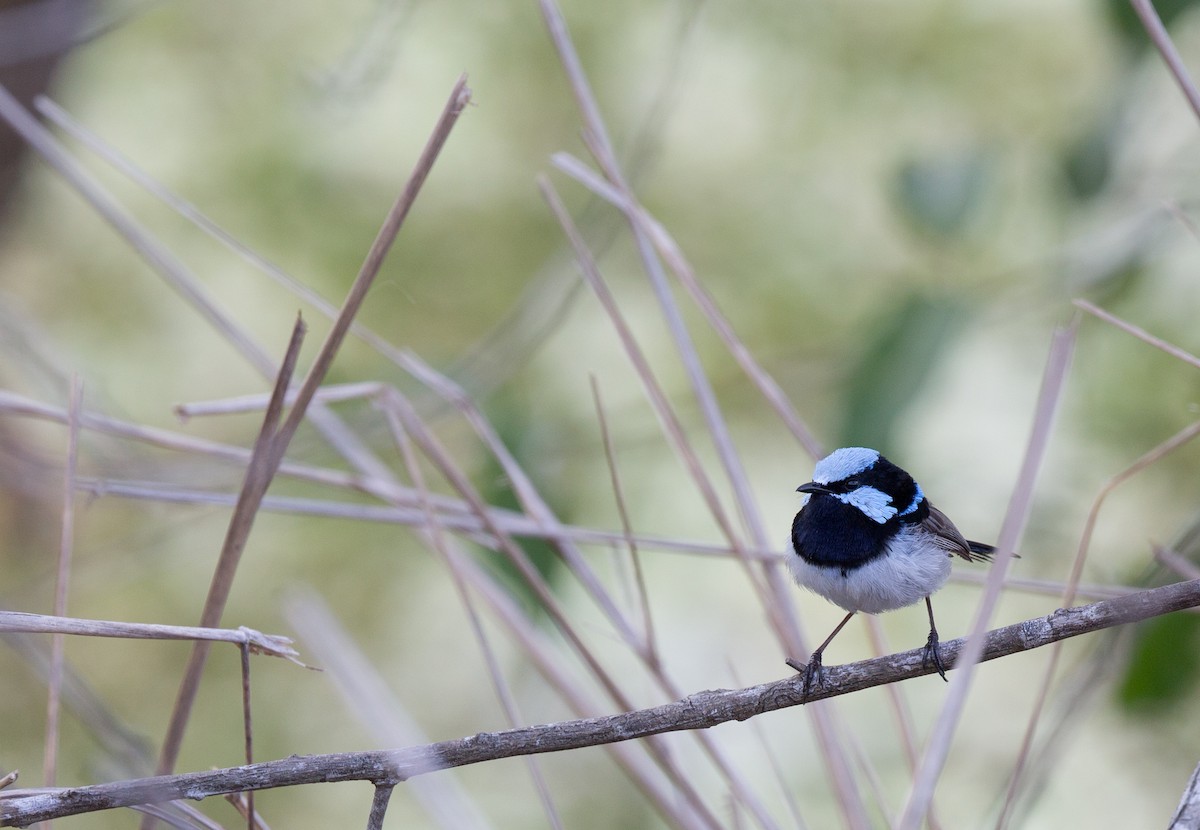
(868, 540)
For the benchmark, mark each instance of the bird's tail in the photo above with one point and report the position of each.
(980, 552)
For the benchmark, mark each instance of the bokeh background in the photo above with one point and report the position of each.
(893, 203)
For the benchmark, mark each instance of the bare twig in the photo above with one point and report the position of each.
(674, 430)
(670, 251)
(436, 538)
(276, 442)
(263, 463)
(247, 728)
(379, 805)
(62, 587)
(697, 711)
(269, 644)
(438, 454)
(1187, 815)
(649, 641)
(1162, 42)
(1068, 599)
(1186, 568)
(1139, 333)
(367, 697)
(1019, 507)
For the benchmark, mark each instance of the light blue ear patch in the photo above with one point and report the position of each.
(876, 504)
(916, 502)
(843, 463)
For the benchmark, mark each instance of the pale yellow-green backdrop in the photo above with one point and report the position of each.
(894, 203)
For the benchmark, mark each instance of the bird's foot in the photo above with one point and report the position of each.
(813, 672)
(933, 654)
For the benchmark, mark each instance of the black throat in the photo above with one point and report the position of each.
(833, 534)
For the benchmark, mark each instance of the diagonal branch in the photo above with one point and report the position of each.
(273, 441)
(697, 711)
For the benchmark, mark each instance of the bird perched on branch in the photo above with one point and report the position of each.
(868, 540)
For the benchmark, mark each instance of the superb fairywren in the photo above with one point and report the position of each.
(868, 540)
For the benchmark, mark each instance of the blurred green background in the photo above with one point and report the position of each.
(893, 203)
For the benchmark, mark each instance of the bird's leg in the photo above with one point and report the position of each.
(933, 654)
(812, 671)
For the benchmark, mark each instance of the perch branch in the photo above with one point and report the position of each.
(697, 711)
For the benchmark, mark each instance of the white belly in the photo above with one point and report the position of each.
(909, 571)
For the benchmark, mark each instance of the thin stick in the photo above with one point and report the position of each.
(701, 710)
(175, 274)
(1068, 599)
(674, 430)
(1049, 396)
(254, 486)
(379, 805)
(274, 444)
(436, 538)
(1154, 27)
(670, 251)
(247, 729)
(650, 642)
(369, 700)
(269, 644)
(683, 805)
(433, 449)
(1139, 333)
(62, 587)
(517, 525)
(531, 501)
(1187, 814)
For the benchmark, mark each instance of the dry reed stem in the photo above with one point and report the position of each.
(1139, 333)
(444, 462)
(1172, 561)
(1016, 516)
(674, 429)
(1068, 599)
(435, 537)
(174, 272)
(247, 730)
(272, 645)
(777, 603)
(531, 501)
(371, 703)
(701, 710)
(649, 644)
(379, 805)
(1154, 27)
(259, 472)
(1187, 814)
(671, 252)
(269, 454)
(62, 586)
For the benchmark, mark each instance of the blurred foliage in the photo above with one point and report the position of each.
(942, 195)
(1087, 163)
(1164, 666)
(1163, 671)
(903, 350)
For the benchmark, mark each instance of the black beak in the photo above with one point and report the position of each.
(812, 487)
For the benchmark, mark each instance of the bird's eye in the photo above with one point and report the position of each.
(851, 483)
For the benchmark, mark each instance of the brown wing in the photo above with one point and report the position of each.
(948, 537)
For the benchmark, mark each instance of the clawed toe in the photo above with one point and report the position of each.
(933, 655)
(813, 672)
